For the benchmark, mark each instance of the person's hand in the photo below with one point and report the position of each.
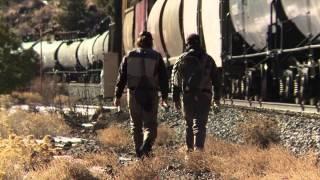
(164, 103)
(216, 106)
(217, 103)
(116, 102)
(177, 105)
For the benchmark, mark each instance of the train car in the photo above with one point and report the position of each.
(79, 60)
(267, 50)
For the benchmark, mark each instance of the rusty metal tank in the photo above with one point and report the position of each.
(141, 10)
(305, 14)
(171, 27)
(154, 25)
(251, 19)
(49, 50)
(82, 54)
(91, 44)
(85, 50)
(67, 54)
(28, 45)
(190, 16)
(101, 46)
(211, 28)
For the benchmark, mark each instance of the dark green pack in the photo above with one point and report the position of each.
(192, 71)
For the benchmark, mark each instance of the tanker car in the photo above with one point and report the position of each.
(268, 50)
(77, 60)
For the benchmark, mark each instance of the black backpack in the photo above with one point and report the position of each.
(192, 71)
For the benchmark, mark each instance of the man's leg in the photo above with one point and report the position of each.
(188, 111)
(202, 112)
(200, 131)
(150, 125)
(136, 123)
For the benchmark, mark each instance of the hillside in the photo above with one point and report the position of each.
(26, 17)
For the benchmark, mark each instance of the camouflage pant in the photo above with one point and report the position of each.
(144, 123)
(196, 110)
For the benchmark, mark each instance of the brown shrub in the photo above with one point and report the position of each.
(19, 155)
(115, 137)
(26, 123)
(165, 135)
(149, 168)
(61, 170)
(259, 130)
(48, 88)
(232, 161)
(27, 97)
(64, 100)
(6, 101)
(105, 159)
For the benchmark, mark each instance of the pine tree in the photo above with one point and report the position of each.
(73, 16)
(17, 67)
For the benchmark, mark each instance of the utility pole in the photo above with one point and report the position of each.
(41, 58)
(118, 29)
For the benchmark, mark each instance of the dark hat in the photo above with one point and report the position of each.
(147, 35)
(193, 39)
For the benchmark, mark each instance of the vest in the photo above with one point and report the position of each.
(142, 69)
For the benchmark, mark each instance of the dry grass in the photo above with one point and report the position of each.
(19, 155)
(115, 137)
(165, 136)
(48, 88)
(61, 170)
(250, 162)
(64, 100)
(149, 168)
(259, 130)
(6, 101)
(105, 159)
(26, 123)
(27, 97)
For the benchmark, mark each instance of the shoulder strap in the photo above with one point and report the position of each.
(143, 65)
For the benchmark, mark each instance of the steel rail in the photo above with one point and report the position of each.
(278, 51)
(273, 106)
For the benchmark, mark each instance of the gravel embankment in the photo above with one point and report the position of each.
(298, 132)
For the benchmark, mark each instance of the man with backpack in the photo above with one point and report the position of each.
(144, 73)
(193, 75)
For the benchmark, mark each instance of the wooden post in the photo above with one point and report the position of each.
(110, 72)
(118, 29)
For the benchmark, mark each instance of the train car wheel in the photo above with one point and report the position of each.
(312, 101)
(64, 78)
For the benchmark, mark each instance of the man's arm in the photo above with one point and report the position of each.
(216, 81)
(176, 84)
(163, 79)
(122, 78)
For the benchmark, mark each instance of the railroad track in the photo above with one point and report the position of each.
(273, 106)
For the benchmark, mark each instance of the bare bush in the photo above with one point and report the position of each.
(25, 123)
(104, 159)
(165, 135)
(233, 161)
(259, 130)
(61, 170)
(115, 137)
(19, 155)
(48, 88)
(64, 100)
(6, 101)
(148, 168)
(27, 97)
